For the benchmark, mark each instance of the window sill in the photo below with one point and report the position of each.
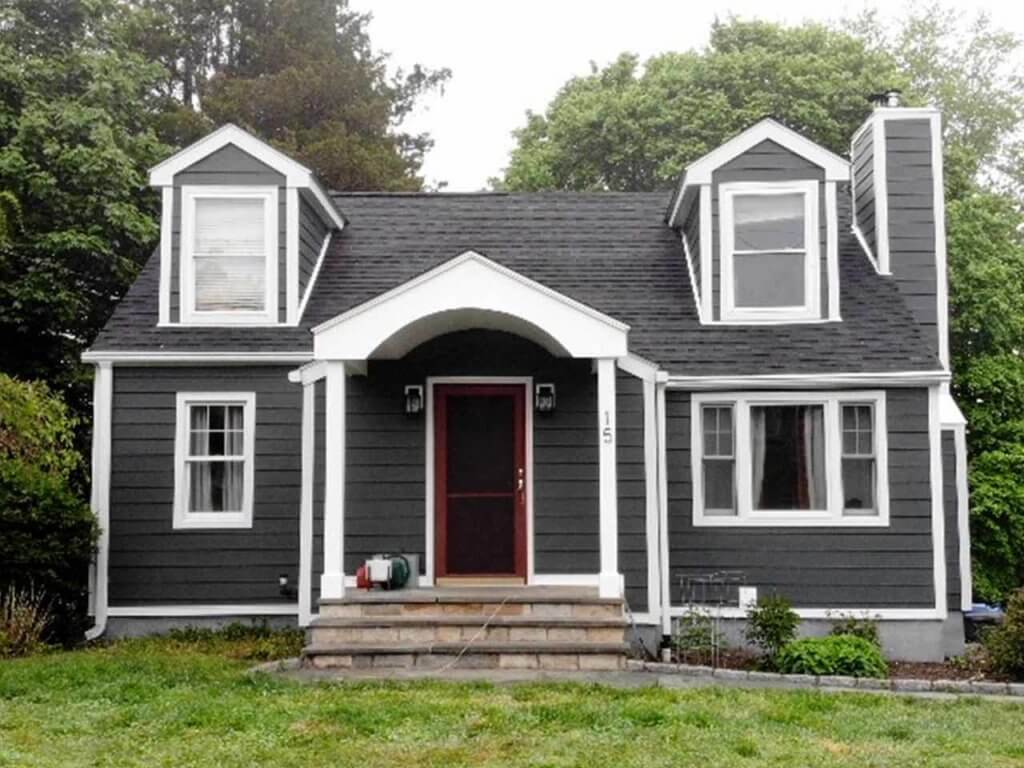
(196, 521)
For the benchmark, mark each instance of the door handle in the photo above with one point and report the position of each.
(520, 480)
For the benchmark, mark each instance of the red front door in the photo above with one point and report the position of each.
(480, 479)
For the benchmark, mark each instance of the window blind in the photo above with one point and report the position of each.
(230, 255)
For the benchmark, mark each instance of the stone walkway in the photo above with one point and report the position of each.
(657, 675)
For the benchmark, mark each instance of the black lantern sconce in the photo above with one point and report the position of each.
(544, 398)
(413, 400)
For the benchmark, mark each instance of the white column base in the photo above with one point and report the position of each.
(332, 585)
(609, 584)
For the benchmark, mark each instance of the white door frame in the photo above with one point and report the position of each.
(527, 383)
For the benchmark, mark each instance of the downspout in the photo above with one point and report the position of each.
(99, 500)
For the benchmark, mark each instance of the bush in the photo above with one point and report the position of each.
(833, 655)
(47, 531)
(771, 624)
(23, 621)
(858, 626)
(1005, 643)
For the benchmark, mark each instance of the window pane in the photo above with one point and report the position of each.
(859, 485)
(717, 422)
(215, 486)
(768, 222)
(858, 430)
(229, 252)
(719, 486)
(768, 279)
(788, 457)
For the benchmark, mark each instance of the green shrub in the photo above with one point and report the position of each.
(47, 531)
(857, 626)
(833, 655)
(771, 624)
(24, 617)
(1005, 643)
(695, 637)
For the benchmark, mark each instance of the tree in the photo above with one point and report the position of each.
(620, 128)
(77, 112)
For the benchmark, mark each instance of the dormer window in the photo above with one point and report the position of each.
(229, 254)
(770, 251)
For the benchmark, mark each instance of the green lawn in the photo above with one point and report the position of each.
(155, 703)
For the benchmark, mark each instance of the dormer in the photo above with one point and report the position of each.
(243, 231)
(757, 220)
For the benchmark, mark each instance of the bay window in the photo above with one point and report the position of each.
(790, 459)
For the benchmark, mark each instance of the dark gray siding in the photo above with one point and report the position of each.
(818, 567)
(632, 493)
(949, 501)
(864, 187)
(150, 562)
(227, 166)
(911, 204)
(767, 161)
(691, 230)
(312, 230)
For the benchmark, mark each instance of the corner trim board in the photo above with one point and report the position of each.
(166, 255)
(292, 256)
(99, 499)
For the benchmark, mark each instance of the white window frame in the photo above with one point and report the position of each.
(183, 518)
(189, 314)
(834, 515)
(810, 309)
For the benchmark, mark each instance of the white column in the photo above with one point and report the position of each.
(332, 582)
(610, 581)
(102, 406)
(306, 502)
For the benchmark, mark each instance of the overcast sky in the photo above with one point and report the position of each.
(509, 57)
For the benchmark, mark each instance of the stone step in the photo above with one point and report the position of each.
(481, 655)
(370, 631)
(580, 609)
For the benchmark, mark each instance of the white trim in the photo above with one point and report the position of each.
(429, 512)
(699, 172)
(332, 580)
(707, 252)
(470, 282)
(832, 250)
(663, 560)
(166, 252)
(316, 273)
(310, 372)
(159, 356)
(811, 307)
(607, 427)
(938, 508)
(886, 614)
(296, 175)
(864, 247)
(223, 609)
(809, 380)
(306, 503)
(880, 185)
(99, 498)
(291, 233)
(691, 275)
(184, 519)
(189, 315)
(941, 269)
(566, 579)
(833, 515)
(651, 496)
(963, 507)
(638, 366)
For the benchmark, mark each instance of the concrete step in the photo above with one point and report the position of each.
(480, 655)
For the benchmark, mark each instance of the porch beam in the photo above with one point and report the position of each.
(610, 581)
(332, 581)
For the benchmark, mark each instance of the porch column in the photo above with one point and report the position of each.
(332, 582)
(610, 581)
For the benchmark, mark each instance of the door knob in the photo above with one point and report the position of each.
(520, 481)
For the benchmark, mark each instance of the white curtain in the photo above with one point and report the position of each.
(201, 481)
(814, 455)
(757, 450)
(216, 484)
(233, 470)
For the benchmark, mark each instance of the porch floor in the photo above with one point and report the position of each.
(474, 594)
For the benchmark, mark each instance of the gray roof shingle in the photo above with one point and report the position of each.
(611, 251)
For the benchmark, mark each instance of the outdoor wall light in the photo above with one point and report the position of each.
(544, 398)
(413, 399)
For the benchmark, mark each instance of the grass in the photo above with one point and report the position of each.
(189, 701)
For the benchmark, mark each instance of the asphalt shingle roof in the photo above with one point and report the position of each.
(611, 251)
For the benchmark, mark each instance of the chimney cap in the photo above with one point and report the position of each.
(890, 97)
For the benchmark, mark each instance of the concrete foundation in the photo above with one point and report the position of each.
(140, 626)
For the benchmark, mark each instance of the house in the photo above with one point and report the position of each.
(591, 400)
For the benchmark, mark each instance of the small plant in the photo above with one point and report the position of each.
(1005, 643)
(251, 642)
(24, 618)
(771, 624)
(864, 626)
(696, 639)
(833, 655)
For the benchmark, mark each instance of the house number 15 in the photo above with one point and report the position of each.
(606, 430)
